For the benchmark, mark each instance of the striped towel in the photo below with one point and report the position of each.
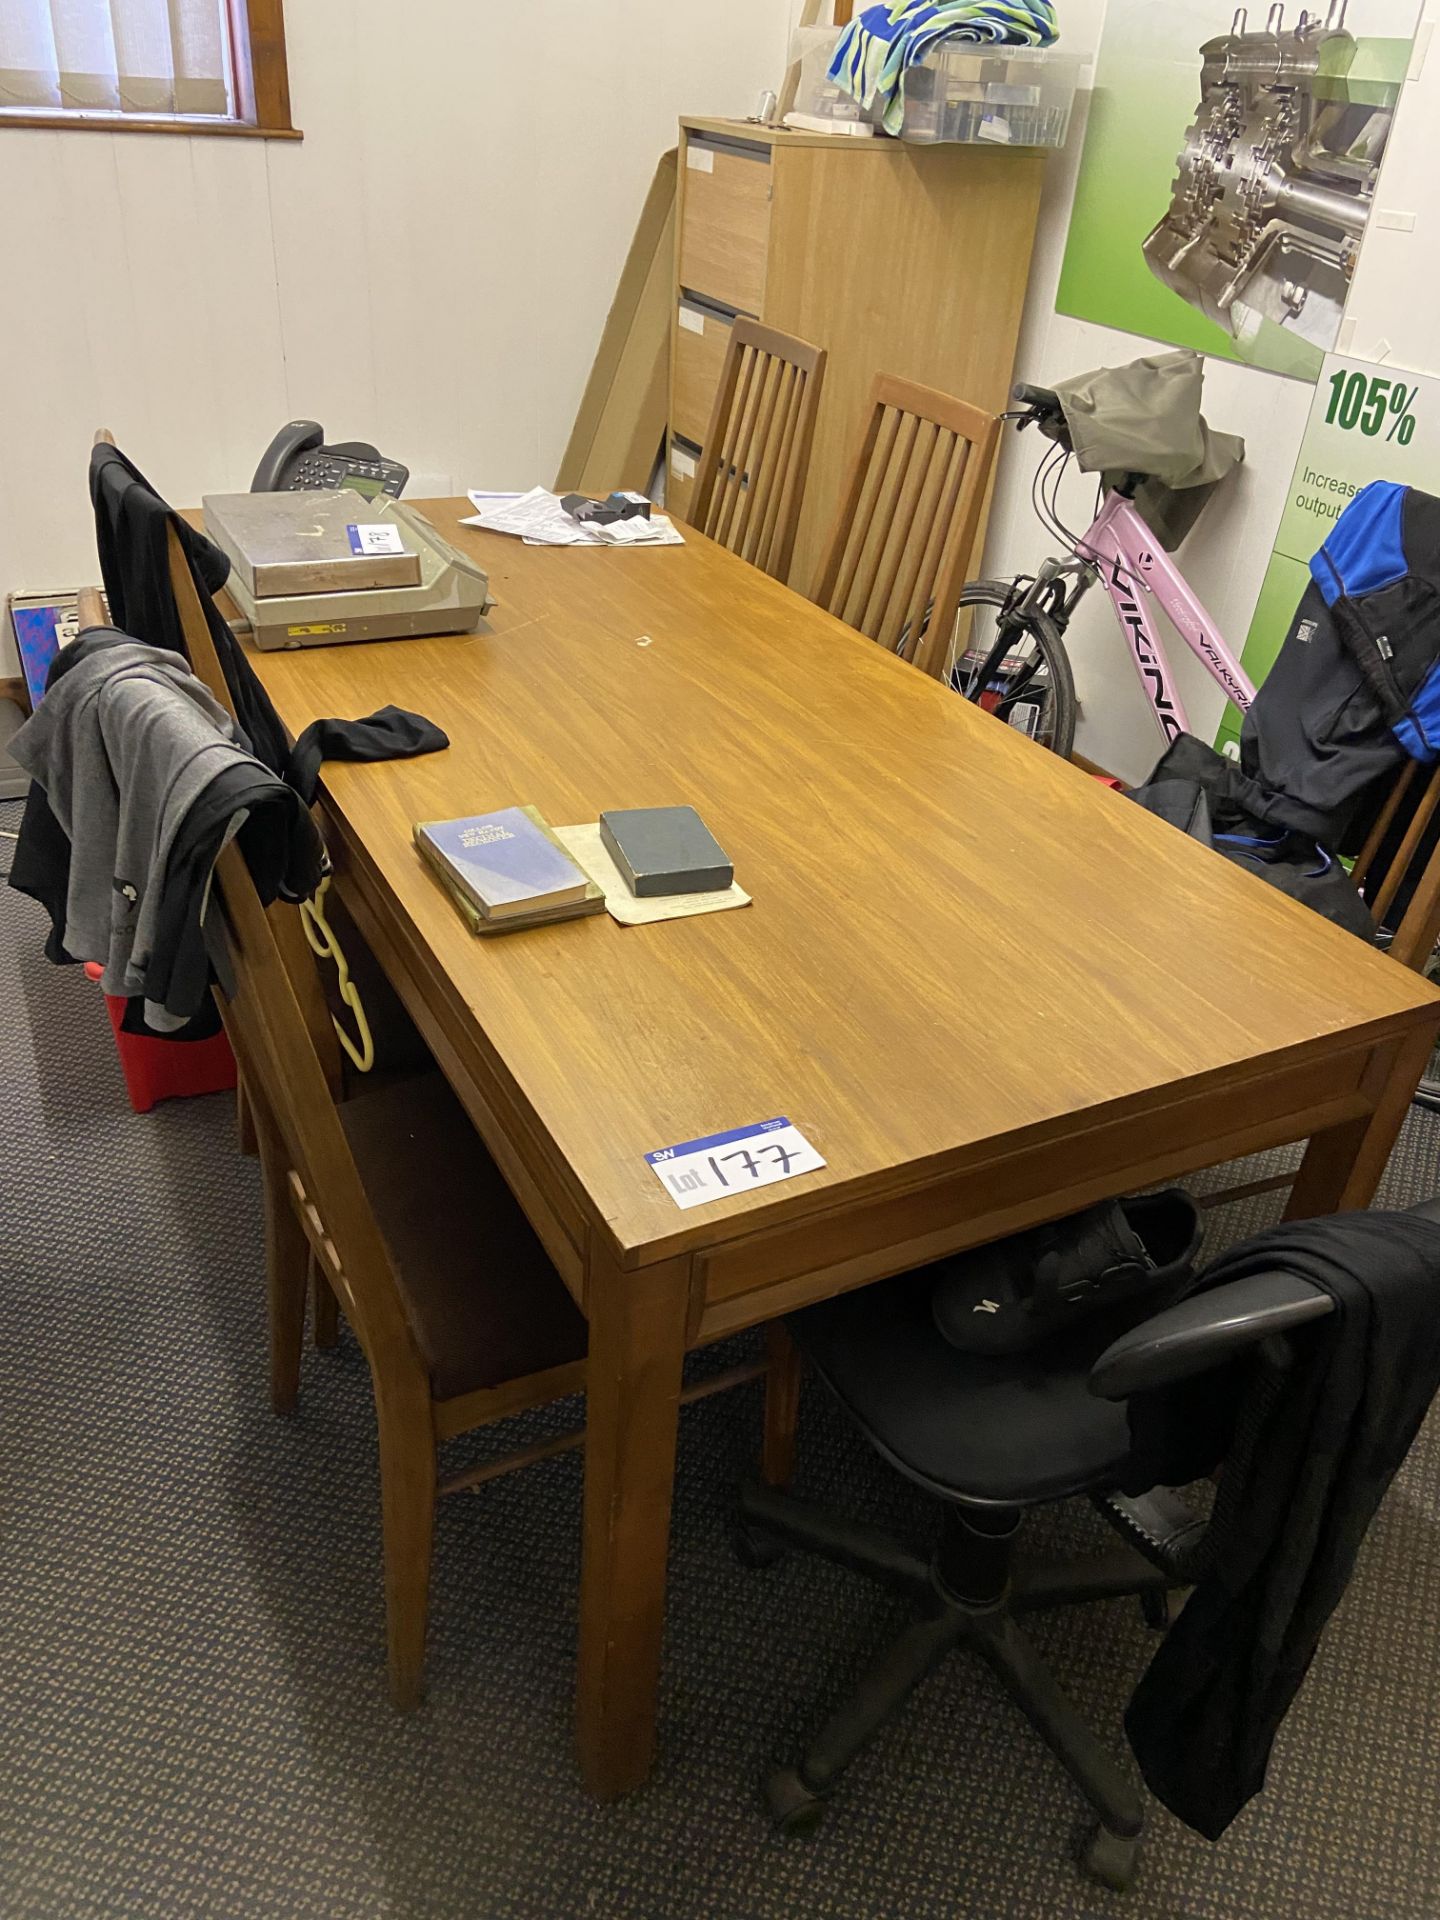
(878, 46)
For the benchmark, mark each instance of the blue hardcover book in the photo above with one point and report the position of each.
(505, 863)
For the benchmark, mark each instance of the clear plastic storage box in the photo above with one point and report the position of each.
(818, 97)
(1000, 96)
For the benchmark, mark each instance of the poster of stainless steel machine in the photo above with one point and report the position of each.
(1230, 171)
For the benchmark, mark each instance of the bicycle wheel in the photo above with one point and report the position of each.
(1034, 691)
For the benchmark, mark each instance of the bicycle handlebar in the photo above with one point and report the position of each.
(1042, 399)
(1042, 408)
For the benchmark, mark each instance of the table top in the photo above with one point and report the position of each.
(956, 939)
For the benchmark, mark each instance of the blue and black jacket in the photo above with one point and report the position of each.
(1356, 688)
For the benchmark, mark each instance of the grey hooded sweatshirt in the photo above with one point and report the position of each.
(123, 744)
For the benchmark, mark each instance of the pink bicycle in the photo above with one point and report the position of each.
(1016, 664)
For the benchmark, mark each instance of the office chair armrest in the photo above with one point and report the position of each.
(1205, 1330)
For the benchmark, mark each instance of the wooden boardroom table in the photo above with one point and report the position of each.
(987, 989)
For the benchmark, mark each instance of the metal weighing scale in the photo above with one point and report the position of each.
(304, 575)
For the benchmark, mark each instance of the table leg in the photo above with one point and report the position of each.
(782, 1406)
(1343, 1167)
(632, 1404)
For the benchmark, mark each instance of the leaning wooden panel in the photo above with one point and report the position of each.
(621, 422)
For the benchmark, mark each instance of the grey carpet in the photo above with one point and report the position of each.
(191, 1663)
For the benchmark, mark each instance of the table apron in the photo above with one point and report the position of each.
(748, 1281)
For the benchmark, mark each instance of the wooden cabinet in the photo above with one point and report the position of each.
(725, 243)
(701, 337)
(896, 259)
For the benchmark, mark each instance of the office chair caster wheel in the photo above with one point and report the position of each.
(755, 1550)
(1111, 1859)
(796, 1811)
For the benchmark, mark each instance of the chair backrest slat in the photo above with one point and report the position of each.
(1360, 873)
(759, 454)
(1399, 864)
(901, 548)
(867, 485)
(751, 486)
(952, 456)
(782, 485)
(1402, 852)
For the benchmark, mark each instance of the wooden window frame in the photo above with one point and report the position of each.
(262, 88)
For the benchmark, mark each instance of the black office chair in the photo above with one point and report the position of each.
(992, 1437)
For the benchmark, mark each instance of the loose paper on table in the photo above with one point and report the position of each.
(539, 520)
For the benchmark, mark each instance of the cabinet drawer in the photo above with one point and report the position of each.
(701, 337)
(681, 469)
(725, 230)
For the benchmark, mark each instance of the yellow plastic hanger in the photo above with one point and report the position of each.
(324, 943)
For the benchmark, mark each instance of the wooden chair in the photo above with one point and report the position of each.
(751, 485)
(392, 1195)
(1394, 856)
(902, 544)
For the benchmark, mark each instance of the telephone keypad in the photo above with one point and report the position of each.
(317, 472)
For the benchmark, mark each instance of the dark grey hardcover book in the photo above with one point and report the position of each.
(664, 850)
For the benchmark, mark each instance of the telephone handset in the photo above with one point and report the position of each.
(297, 460)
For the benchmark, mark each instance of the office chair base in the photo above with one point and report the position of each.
(970, 1594)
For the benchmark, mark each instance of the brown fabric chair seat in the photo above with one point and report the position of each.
(485, 1304)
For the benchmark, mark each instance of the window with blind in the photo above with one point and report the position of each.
(190, 65)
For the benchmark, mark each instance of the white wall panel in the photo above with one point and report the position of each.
(430, 268)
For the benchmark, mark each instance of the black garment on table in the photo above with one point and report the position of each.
(390, 733)
(1205, 1715)
(1217, 802)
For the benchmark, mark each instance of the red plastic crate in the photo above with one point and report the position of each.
(158, 1069)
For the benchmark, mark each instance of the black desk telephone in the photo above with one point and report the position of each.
(297, 460)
